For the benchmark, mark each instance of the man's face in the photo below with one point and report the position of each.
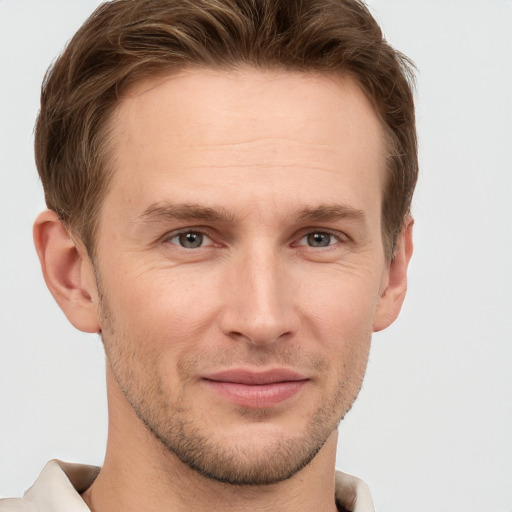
(240, 263)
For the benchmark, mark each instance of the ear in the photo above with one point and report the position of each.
(395, 287)
(68, 272)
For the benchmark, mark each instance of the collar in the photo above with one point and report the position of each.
(352, 494)
(60, 484)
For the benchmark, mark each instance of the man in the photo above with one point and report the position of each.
(229, 185)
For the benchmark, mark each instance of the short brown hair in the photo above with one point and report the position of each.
(125, 41)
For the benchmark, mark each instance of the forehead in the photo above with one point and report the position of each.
(207, 103)
(206, 128)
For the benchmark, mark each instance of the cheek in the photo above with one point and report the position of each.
(339, 315)
(340, 301)
(163, 309)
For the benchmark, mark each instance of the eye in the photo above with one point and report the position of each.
(190, 239)
(318, 239)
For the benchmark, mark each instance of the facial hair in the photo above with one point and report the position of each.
(215, 456)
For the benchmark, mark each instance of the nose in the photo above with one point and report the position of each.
(258, 292)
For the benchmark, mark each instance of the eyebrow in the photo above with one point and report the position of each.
(329, 213)
(160, 212)
(170, 211)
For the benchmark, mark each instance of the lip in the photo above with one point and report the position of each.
(256, 389)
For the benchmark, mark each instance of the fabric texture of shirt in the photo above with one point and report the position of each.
(60, 484)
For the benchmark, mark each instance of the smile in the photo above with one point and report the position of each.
(256, 389)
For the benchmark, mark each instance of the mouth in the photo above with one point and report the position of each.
(254, 389)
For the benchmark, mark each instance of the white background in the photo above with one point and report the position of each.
(432, 429)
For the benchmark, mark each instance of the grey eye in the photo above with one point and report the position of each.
(190, 239)
(319, 239)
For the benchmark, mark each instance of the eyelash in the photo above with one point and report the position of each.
(339, 237)
(168, 238)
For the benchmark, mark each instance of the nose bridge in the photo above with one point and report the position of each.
(259, 306)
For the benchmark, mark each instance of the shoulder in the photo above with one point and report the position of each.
(352, 493)
(11, 505)
(57, 489)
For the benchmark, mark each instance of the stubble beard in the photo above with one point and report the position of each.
(220, 459)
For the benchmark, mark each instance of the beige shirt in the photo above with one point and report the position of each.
(60, 484)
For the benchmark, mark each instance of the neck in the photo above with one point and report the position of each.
(140, 473)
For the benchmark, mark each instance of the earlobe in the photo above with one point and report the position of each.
(68, 272)
(392, 298)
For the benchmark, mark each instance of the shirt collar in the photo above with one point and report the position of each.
(60, 484)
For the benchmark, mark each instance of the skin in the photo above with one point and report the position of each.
(274, 180)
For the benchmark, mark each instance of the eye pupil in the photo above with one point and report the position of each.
(191, 240)
(319, 239)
